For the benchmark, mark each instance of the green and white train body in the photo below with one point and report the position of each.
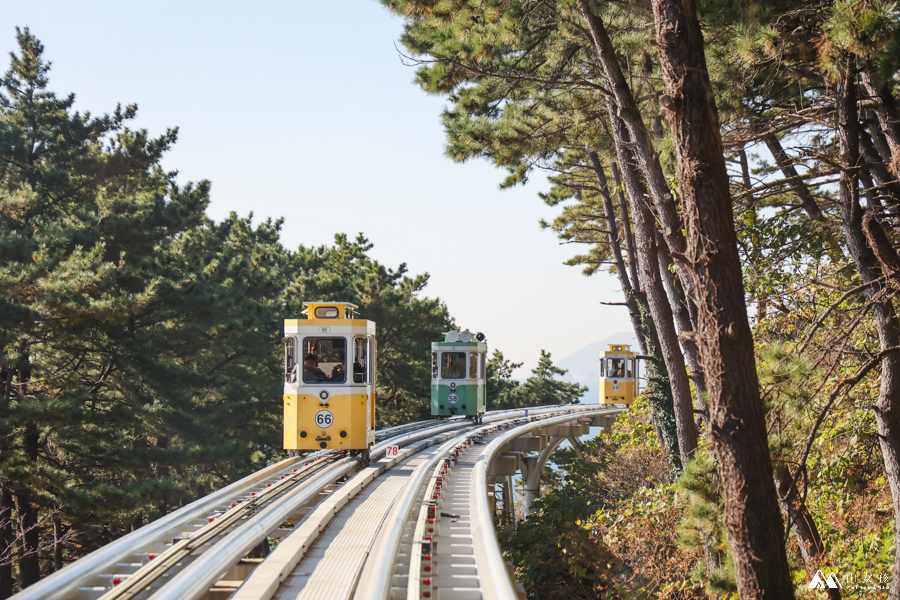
(457, 375)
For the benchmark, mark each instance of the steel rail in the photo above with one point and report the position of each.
(377, 576)
(305, 483)
(375, 580)
(195, 579)
(488, 556)
(65, 582)
(264, 581)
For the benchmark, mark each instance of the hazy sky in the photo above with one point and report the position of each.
(305, 110)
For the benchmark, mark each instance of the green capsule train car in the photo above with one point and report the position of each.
(457, 375)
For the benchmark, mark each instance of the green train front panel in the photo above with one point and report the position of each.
(463, 400)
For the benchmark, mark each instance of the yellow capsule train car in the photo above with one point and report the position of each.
(618, 375)
(329, 380)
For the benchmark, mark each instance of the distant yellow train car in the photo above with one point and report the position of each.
(618, 375)
(329, 380)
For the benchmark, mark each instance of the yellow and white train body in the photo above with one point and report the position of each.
(618, 375)
(329, 379)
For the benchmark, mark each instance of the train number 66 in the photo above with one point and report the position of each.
(324, 419)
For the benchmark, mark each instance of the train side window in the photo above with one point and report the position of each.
(602, 368)
(473, 365)
(630, 370)
(434, 365)
(291, 366)
(324, 360)
(326, 312)
(481, 371)
(453, 365)
(360, 360)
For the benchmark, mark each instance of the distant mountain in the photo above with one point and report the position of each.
(584, 365)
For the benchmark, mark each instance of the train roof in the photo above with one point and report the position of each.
(329, 310)
(618, 348)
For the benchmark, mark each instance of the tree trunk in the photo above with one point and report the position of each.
(887, 407)
(737, 421)
(658, 303)
(681, 311)
(786, 165)
(885, 108)
(57, 544)
(888, 185)
(7, 539)
(627, 110)
(801, 190)
(626, 223)
(792, 503)
(29, 533)
(631, 304)
(661, 312)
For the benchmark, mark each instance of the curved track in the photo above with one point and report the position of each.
(419, 524)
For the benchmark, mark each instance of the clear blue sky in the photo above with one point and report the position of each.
(305, 110)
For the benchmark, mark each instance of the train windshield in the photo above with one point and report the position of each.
(453, 365)
(619, 367)
(324, 360)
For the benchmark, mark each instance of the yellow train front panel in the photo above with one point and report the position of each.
(618, 392)
(341, 423)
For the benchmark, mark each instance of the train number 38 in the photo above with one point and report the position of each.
(324, 419)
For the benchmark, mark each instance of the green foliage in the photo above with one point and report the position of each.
(500, 387)
(702, 529)
(139, 340)
(606, 528)
(542, 388)
(406, 322)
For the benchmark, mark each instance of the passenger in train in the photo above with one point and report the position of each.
(616, 367)
(311, 371)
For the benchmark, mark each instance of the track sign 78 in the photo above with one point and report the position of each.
(392, 451)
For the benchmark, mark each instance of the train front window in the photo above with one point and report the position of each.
(453, 365)
(615, 367)
(324, 360)
(473, 365)
(291, 366)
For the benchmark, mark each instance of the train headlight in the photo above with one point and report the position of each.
(452, 385)
(323, 394)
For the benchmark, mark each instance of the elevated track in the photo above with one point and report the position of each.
(415, 524)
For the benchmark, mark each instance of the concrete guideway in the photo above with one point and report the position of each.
(346, 530)
(103, 570)
(446, 538)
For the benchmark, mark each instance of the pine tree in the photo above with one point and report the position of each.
(545, 388)
(407, 323)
